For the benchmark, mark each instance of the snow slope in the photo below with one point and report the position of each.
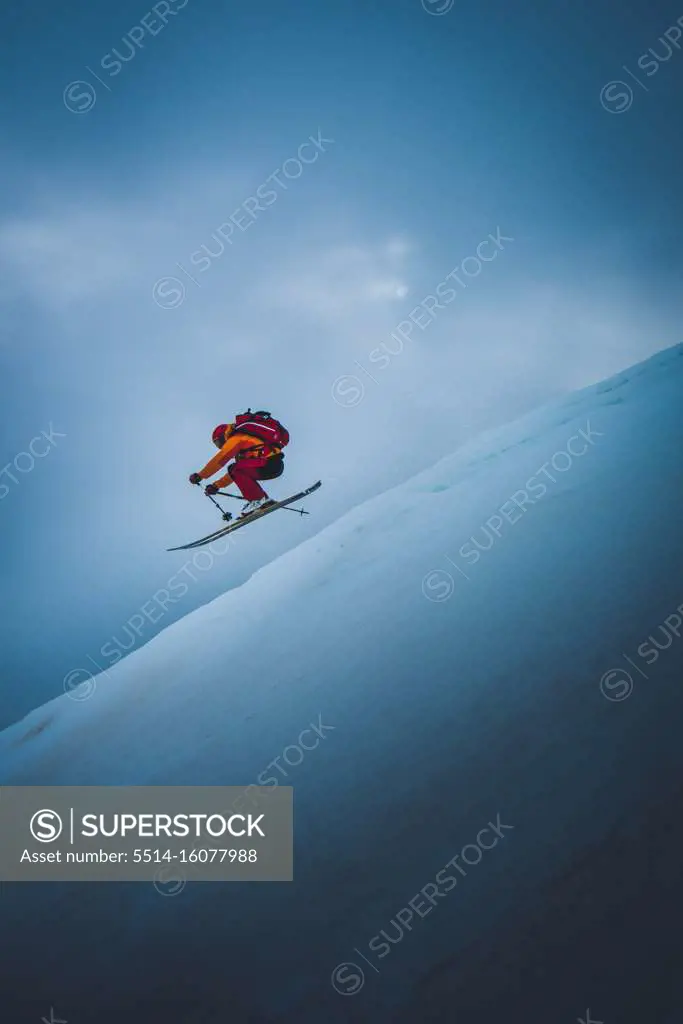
(452, 641)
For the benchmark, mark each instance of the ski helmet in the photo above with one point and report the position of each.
(218, 436)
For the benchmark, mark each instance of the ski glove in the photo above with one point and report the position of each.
(211, 489)
(195, 478)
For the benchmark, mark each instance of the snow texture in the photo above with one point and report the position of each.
(451, 636)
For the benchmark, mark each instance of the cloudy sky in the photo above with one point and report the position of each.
(394, 223)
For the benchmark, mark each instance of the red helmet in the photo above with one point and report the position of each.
(218, 436)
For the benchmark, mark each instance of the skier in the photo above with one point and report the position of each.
(255, 441)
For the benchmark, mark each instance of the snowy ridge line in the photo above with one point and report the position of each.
(480, 445)
(299, 567)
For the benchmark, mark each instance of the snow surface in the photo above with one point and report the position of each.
(454, 692)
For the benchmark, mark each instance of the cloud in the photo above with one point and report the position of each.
(80, 254)
(295, 304)
(341, 281)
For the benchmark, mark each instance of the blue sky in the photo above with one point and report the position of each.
(443, 129)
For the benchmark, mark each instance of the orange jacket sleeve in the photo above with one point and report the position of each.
(224, 481)
(233, 445)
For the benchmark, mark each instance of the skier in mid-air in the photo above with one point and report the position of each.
(255, 441)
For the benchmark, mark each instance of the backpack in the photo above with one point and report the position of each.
(263, 427)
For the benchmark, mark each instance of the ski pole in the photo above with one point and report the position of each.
(224, 494)
(226, 515)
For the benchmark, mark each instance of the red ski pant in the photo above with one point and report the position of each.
(247, 472)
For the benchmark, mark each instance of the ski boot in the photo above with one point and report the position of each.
(254, 506)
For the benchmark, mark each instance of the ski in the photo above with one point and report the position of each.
(259, 514)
